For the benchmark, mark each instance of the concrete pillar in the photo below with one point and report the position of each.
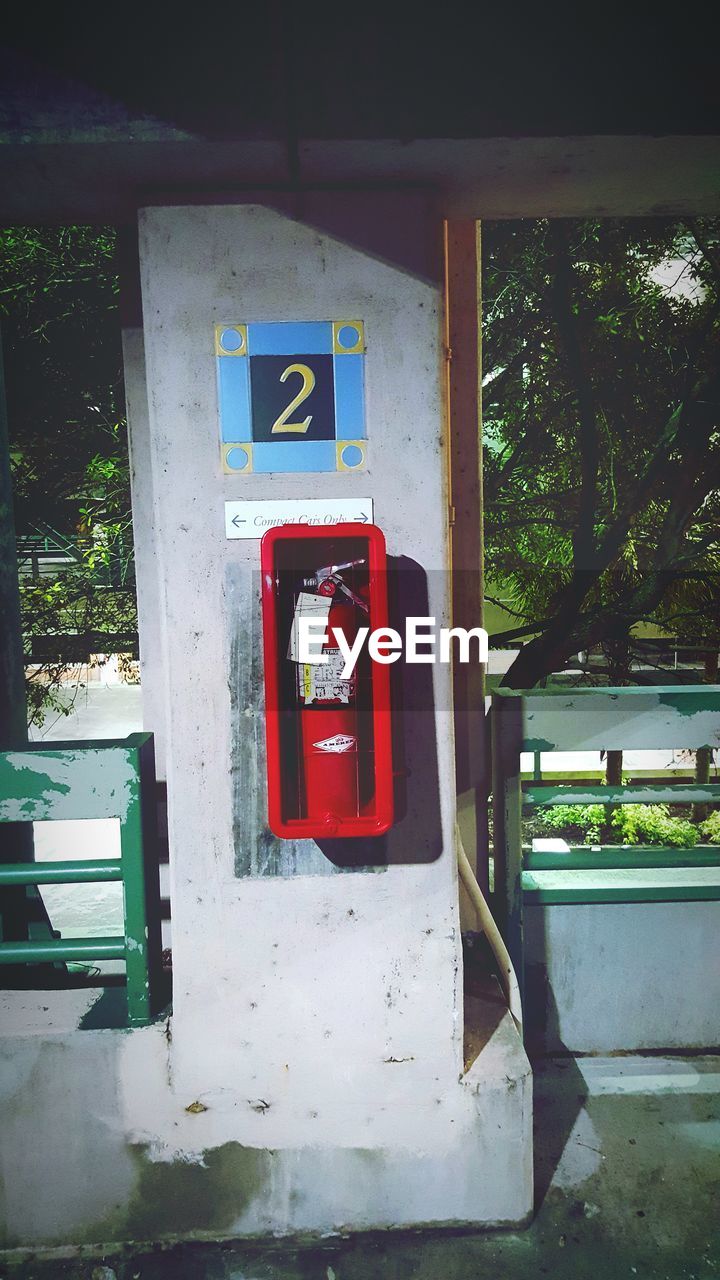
(318, 1011)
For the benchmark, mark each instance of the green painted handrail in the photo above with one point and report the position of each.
(54, 949)
(70, 872)
(581, 895)
(622, 719)
(694, 793)
(621, 857)
(108, 778)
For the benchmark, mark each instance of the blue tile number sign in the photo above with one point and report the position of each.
(291, 396)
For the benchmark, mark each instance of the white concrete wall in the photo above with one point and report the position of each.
(603, 978)
(248, 955)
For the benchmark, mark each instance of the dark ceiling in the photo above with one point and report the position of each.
(233, 69)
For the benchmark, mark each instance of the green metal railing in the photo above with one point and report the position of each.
(47, 553)
(621, 858)
(694, 793)
(112, 778)
(620, 719)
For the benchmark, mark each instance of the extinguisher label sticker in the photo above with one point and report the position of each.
(306, 679)
(308, 605)
(339, 743)
(324, 683)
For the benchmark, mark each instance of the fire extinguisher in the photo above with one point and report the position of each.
(328, 707)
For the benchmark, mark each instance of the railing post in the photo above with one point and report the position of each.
(151, 871)
(143, 946)
(507, 737)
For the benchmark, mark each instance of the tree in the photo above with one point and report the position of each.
(601, 411)
(68, 446)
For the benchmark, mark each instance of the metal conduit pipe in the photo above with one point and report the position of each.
(488, 926)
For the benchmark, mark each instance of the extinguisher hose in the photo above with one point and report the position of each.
(506, 973)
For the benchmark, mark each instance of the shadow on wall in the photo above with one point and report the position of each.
(553, 1118)
(416, 836)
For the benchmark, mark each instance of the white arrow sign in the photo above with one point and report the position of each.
(252, 519)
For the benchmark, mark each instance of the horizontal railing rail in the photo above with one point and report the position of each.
(81, 871)
(620, 857)
(54, 949)
(694, 793)
(81, 780)
(697, 884)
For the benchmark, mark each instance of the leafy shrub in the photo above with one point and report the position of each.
(652, 824)
(710, 829)
(629, 824)
(581, 822)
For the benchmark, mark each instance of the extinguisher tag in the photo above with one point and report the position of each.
(325, 683)
(339, 743)
(307, 605)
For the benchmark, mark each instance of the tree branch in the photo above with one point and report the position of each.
(492, 385)
(561, 297)
(567, 632)
(502, 637)
(708, 251)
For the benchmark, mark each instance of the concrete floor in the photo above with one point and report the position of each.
(97, 710)
(628, 1183)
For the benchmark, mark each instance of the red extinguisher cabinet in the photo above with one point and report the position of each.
(329, 739)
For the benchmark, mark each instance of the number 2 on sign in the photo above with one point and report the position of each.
(281, 424)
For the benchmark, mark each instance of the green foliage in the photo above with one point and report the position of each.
(710, 828)
(600, 405)
(63, 363)
(581, 823)
(650, 824)
(68, 443)
(76, 603)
